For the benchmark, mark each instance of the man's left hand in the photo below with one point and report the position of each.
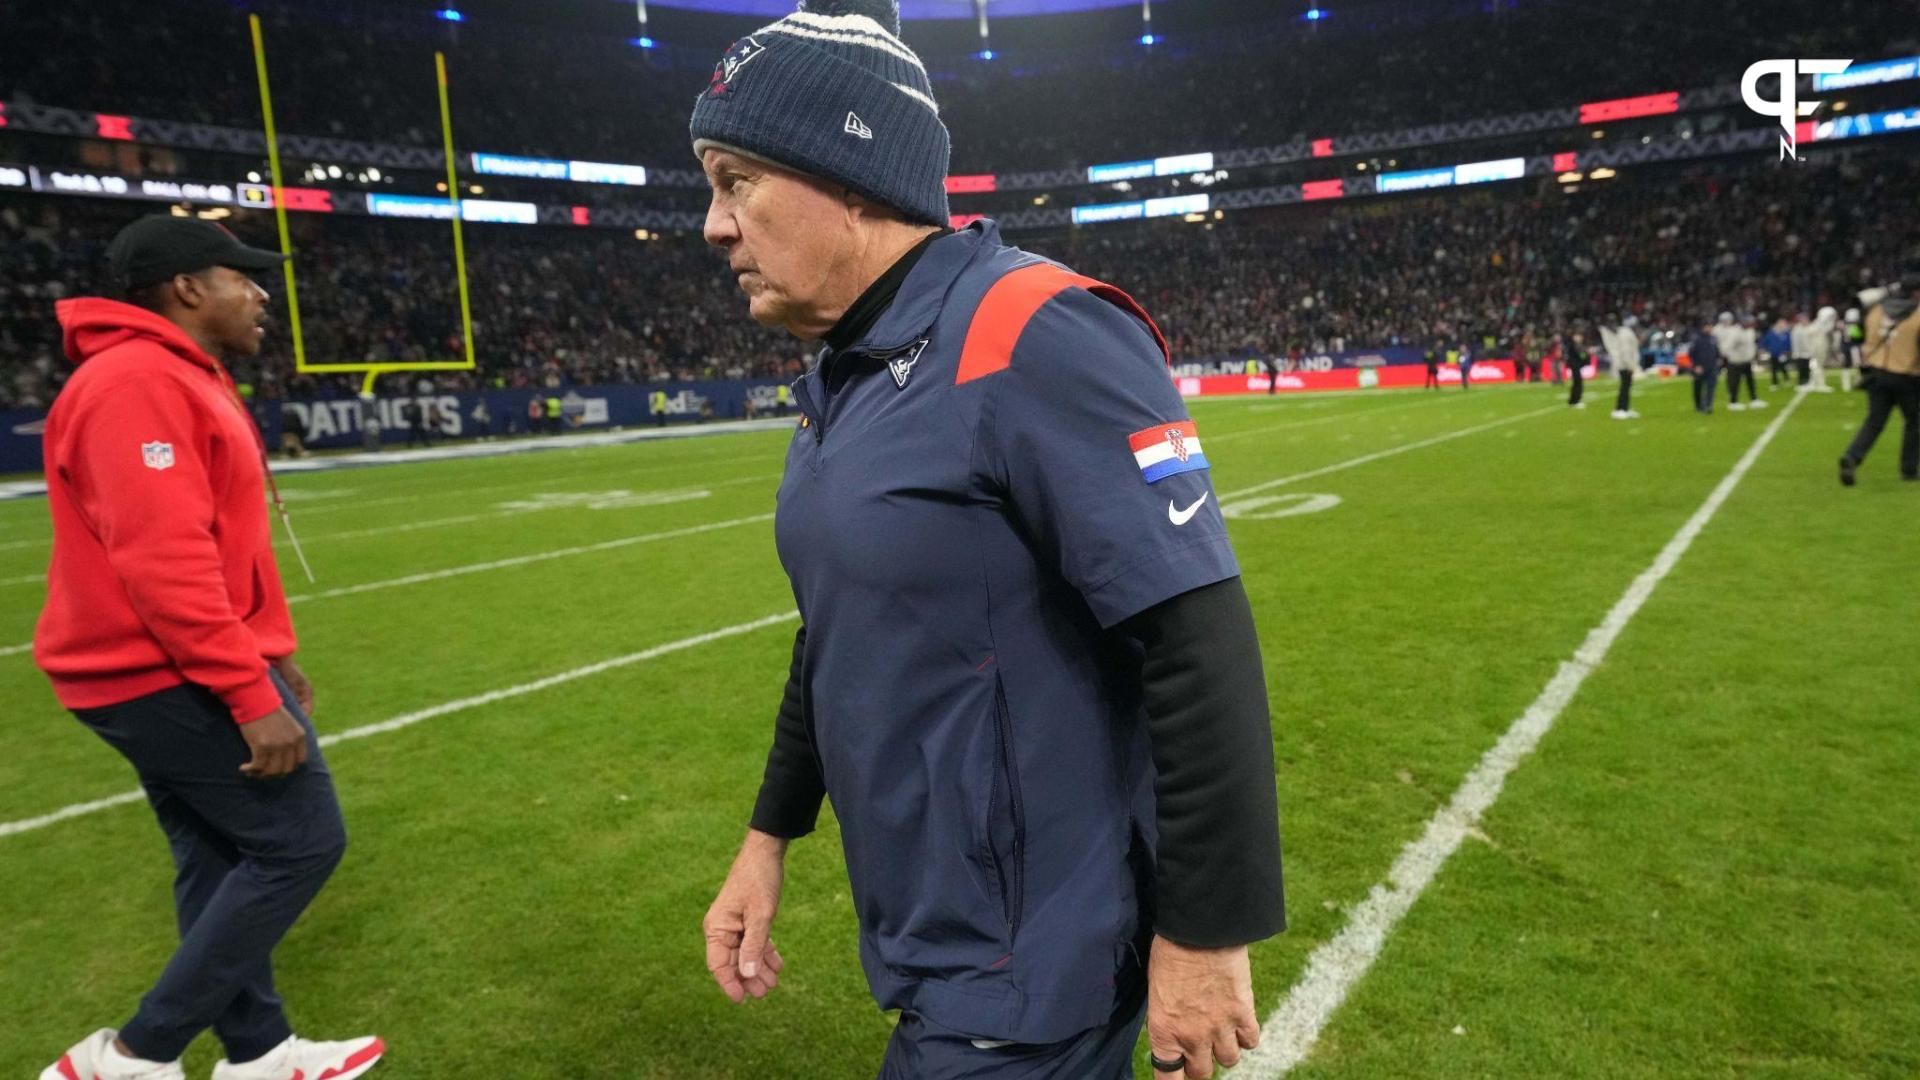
(297, 682)
(1199, 1007)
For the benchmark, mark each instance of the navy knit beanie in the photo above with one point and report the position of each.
(831, 91)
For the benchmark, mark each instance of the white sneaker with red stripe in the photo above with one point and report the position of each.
(303, 1059)
(97, 1059)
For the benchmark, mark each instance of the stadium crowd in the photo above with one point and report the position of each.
(556, 307)
(364, 71)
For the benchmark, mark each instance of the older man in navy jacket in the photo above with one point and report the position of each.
(1027, 673)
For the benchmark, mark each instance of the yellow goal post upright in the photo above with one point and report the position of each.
(372, 370)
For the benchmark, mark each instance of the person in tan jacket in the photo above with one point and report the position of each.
(1890, 372)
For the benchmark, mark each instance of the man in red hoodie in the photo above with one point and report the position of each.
(167, 633)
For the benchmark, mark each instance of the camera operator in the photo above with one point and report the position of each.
(1890, 371)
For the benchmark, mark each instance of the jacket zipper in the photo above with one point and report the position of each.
(810, 409)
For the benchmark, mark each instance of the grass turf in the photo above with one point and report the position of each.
(526, 880)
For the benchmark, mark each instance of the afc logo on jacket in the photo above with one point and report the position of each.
(157, 455)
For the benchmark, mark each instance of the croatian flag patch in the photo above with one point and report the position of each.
(1167, 450)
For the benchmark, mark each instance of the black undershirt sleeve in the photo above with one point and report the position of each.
(791, 790)
(1217, 874)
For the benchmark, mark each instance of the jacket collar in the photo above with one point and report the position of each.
(924, 293)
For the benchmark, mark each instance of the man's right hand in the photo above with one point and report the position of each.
(278, 743)
(743, 961)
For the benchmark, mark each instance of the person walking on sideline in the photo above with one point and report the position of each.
(166, 632)
(1777, 343)
(1890, 372)
(1738, 351)
(1573, 355)
(1026, 671)
(1704, 357)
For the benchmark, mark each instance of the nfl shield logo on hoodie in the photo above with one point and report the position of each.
(157, 455)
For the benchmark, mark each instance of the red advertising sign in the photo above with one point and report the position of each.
(114, 127)
(1599, 112)
(971, 185)
(1323, 189)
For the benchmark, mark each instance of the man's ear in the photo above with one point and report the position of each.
(859, 207)
(190, 290)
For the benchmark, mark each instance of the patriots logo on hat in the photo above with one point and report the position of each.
(739, 55)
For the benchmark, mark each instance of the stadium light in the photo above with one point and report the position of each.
(450, 15)
(1315, 14)
(644, 42)
(984, 54)
(1148, 39)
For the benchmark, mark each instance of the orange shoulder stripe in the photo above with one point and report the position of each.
(1010, 304)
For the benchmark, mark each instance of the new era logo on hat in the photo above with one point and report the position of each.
(857, 126)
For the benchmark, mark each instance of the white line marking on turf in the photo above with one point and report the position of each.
(1337, 965)
(477, 567)
(406, 720)
(1377, 455)
(662, 498)
(496, 564)
(1289, 425)
(24, 579)
(523, 560)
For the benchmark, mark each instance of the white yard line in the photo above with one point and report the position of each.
(523, 560)
(303, 512)
(1336, 966)
(24, 579)
(687, 495)
(494, 564)
(406, 720)
(12, 650)
(409, 719)
(1289, 425)
(1366, 459)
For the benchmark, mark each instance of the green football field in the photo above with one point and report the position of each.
(558, 672)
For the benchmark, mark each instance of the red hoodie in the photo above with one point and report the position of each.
(163, 568)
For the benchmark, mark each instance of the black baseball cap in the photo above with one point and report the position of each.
(155, 248)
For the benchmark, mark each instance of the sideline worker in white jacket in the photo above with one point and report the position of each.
(1739, 348)
(1822, 347)
(1622, 343)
